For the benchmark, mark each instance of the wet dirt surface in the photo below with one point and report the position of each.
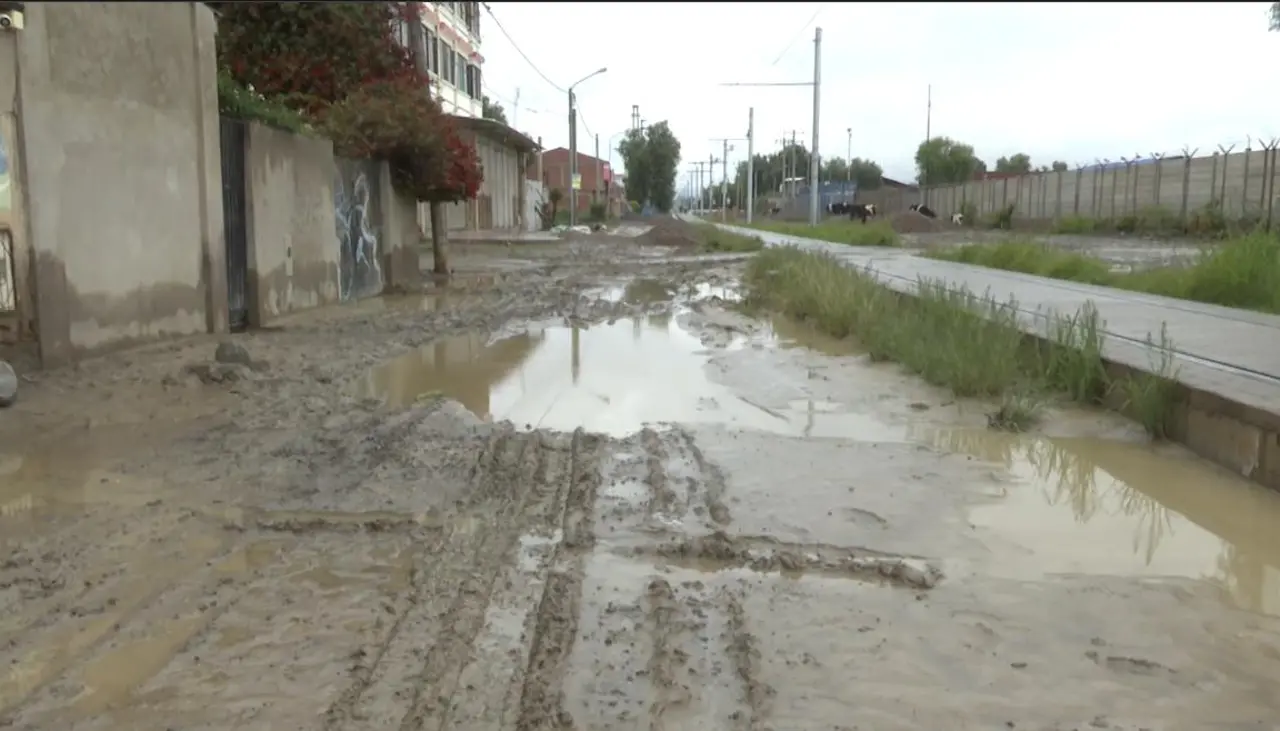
(578, 490)
(1122, 252)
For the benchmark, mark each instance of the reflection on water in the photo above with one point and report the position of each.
(612, 378)
(1109, 507)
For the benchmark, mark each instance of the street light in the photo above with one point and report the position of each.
(573, 145)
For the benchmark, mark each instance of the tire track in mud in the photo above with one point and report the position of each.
(745, 654)
(430, 670)
(667, 628)
(673, 461)
(555, 624)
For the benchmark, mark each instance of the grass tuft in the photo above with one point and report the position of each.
(1242, 272)
(951, 337)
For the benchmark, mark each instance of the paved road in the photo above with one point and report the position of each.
(1235, 353)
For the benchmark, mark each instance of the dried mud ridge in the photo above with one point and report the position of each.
(424, 673)
(767, 554)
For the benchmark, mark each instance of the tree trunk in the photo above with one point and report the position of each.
(439, 239)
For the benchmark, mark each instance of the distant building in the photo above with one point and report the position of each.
(598, 180)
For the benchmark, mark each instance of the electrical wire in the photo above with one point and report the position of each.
(799, 33)
(516, 46)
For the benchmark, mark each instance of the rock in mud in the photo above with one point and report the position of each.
(232, 353)
(8, 385)
(217, 372)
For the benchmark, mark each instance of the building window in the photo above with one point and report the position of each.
(446, 63)
(433, 53)
(479, 82)
(461, 70)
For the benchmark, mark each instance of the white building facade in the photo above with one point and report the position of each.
(453, 55)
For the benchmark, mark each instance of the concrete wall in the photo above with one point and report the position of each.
(119, 130)
(293, 248)
(1244, 183)
(17, 307)
(321, 228)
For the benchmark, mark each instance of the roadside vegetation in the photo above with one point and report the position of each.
(835, 230)
(953, 338)
(714, 239)
(1242, 272)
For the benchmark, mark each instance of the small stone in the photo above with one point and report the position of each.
(8, 385)
(229, 352)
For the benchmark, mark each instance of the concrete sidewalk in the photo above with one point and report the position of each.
(1232, 353)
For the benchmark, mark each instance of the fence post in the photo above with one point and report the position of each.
(1057, 206)
(1159, 158)
(1269, 179)
(1115, 178)
(1137, 174)
(1128, 178)
(1244, 190)
(1187, 157)
(1075, 206)
(1213, 184)
(1226, 162)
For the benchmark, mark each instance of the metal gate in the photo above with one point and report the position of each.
(235, 220)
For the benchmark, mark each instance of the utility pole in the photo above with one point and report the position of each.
(711, 180)
(928, 135)
(815, 189)
(573, 145)
(724, 183)
(599, 173)
(751, 162)
(928, 115)
(849, 165)
(791, 154)
(573, 160)
(439, 257)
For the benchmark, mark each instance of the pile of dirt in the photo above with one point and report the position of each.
(910, 222)
(668, 231)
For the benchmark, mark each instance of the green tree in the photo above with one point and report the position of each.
(492, 110)
(1059, 166)
(1019, 164)
(866, 173)
(1275, 16)
(650, 158)
(942, 160)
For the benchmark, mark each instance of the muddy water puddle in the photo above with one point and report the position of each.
(611, 378)
(1092, 506)
(1039, 505)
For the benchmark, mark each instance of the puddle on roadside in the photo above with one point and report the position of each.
(1109, 507)
(612, 378)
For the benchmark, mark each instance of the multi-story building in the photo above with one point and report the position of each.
(453, 54)
(452, 36)
(597, 176)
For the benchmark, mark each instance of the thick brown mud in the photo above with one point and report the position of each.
(586, 493)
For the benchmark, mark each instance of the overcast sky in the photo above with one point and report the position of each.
(1068, 81)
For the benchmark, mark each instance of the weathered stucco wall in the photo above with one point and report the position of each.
(119, 131)
(294, 255)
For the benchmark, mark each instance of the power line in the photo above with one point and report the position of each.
(798, 35)
(516, 46)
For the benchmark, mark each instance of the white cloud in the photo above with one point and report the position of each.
(1069, 81)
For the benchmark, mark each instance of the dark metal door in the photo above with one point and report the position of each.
(235, 221)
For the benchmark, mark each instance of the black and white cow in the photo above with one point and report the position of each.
(862, 211)
(838, 208)
(957, 219)
(923, 210)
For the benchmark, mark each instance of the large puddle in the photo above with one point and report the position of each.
(1062, 506)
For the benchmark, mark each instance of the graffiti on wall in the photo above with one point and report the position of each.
(6, 193)
(358, 220)
(8, 296)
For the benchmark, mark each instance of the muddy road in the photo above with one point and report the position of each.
(579, 490)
